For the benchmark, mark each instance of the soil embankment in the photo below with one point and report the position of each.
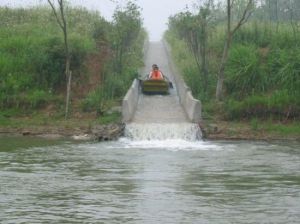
(151, 109)
(98, 132)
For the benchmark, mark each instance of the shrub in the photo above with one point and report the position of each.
(95, 101)
(284, 64)
(280, 104)
(254, 32)
(243, 74)
(37, 98)
(110, 118)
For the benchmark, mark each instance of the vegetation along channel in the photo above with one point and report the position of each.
(67, 153)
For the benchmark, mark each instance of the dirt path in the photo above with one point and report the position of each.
(157, 108)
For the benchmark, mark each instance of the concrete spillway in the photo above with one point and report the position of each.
(158, 108)
(161, 116)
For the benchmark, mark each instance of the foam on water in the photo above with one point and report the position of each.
(169, 144)
(170, 136)
(163, 131)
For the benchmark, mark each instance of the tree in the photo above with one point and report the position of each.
(194, 30)
(126, 30)
(127, 24)
(229, 35)
(61, 20)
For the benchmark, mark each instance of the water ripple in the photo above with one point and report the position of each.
(151, 182)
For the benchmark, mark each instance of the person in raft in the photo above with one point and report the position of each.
(156, 73)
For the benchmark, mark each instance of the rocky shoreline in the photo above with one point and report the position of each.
(108, 132)
(112, 132)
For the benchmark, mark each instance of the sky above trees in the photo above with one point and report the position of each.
(154, 12)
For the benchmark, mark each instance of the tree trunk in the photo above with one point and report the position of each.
(69, 79)
(61, 20)
(68, 59)
(204, 67)
(230, 33)
(219, 89)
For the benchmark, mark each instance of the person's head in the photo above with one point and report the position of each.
(154, 67)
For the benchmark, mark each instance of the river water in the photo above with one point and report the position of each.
(171, 181)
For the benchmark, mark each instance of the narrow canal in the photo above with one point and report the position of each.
(171, 181)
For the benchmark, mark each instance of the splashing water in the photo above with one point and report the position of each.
(156, 131)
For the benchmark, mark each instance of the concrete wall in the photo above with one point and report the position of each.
(130, 101)
(191, 106)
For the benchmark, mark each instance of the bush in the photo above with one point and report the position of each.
(110, 118)
(37, 98)
(94, 101)
(255, 33)
(187, 66)
(27, 100)
(284, 64)
(50, 67)
(280, 104)
(32, 61)
(243, 72)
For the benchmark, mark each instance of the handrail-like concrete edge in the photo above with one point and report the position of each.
(192, 106)
(130, 101)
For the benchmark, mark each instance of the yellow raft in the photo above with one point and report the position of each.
(155, 86)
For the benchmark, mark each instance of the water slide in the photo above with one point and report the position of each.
(159, 108)
(161, 116)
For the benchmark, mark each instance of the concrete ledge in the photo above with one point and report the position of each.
(191, 106)
(130, 101)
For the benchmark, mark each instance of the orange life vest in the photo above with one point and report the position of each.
(156, 74)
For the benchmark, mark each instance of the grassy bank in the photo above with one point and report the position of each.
(104, 61)
(262, 82)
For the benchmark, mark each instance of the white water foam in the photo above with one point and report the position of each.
(165, 131)
(170, 136)
(170, 145)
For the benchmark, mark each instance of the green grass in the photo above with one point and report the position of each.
(32, 55)
(110, 118)
(280, 105)
(43, 121)
(283, 129)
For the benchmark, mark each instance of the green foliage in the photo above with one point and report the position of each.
(127, 26)
(280, 104)
(38, 98)
(244, 73)
(188, 68)
(110, 118)
(267, 80)
(262, 74)
(256, 33)
(265, 34)
(32, 99)
(127, 42)
(27, 48)
(284, 64)
(50, 65)
(283, 129)
(254, 124)
(194, 30)
(32, 54)
(95, 101)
